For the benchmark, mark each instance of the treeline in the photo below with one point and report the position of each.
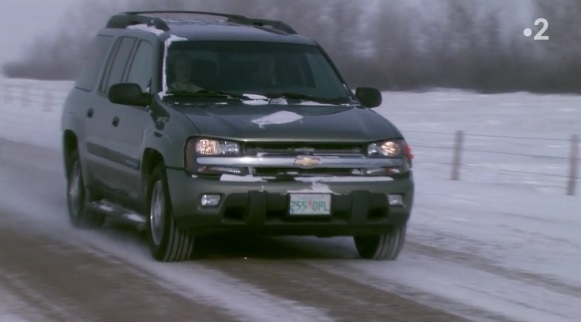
(388, 44)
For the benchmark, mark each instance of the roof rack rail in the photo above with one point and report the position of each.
(122, 21)
(129, 18)
(207, 13)
(262, 23)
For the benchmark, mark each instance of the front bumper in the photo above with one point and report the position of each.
(263, 207)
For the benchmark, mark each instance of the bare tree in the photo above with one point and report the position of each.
(394, 48)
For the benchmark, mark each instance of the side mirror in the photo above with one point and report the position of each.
(368, 96)
(128, 94)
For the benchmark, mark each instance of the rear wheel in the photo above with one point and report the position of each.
(381, 247)
(167, 242)
(78, 197)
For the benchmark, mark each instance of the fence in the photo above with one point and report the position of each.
(461, 146)
(29, 94)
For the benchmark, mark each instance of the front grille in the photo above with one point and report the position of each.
(302, 148)
(298, 172)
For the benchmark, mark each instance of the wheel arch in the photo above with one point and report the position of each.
(70, 143)
(150, 160)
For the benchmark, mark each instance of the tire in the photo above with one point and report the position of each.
(78, 197)
(167, 243)
(381, 247)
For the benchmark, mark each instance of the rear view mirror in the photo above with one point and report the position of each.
(128, 94)
(368, 96)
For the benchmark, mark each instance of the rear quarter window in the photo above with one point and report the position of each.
(95, 56)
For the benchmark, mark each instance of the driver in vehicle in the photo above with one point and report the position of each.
(182, 71)
(264, 75)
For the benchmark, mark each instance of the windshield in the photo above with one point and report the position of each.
(261, 68)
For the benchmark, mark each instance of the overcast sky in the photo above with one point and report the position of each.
(23, 20)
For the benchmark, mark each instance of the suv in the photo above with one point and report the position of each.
(190, 128)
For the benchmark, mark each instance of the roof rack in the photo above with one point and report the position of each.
(122, 21)
(262, 23)
(207, 13)
(129, 18)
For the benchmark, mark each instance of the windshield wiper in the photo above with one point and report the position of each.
(305, 97)
(208, 93)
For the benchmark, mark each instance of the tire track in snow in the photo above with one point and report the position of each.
(69, 284)
(452, 286)
(469, 292)
(38, 192)
(23, 305)
(345, 299)
(333, 264)
(490, 267)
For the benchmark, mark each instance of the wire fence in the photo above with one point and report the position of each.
(465, 151)
(494, 152)
(494, 136)
(28, 95)
(461, 155)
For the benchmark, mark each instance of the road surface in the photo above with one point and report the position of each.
(52, 272)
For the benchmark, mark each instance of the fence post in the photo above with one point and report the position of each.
(574, 163)
(457, 161)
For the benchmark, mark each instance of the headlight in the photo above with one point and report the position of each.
(203, 147)
(390, 149)
(209, 147)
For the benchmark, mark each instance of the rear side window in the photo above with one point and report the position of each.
(117, 66)
(94, 57)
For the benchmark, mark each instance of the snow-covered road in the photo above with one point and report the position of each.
(494, 246)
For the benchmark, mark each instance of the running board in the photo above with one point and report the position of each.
(119, 214)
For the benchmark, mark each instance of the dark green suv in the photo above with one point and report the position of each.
(189, 128)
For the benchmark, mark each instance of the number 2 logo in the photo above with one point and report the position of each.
(541, 34)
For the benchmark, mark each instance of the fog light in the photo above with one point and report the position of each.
(382, 171)
(395, 200)
(210, 200)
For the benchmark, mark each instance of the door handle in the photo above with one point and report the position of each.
(90, 112)
(115, 121)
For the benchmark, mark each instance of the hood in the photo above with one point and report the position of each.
(290, 123)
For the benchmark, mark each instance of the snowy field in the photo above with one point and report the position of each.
(509, 209)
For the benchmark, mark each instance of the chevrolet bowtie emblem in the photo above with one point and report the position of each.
(307, 161)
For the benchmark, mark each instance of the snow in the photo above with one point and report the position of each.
(135, 218)
(191, 280)
(497, 240)
(235, 178)
(280, 117)
(147, 28)
(344, 179)
(502, 249)
(310, 103)
(255, 102)
(14, 309)
(318, 183)
(316, 187)
(167, 43)
(256, 99)
(256, 96)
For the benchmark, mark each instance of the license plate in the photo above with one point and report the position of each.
(310, 204)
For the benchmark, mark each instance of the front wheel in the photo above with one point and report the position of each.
(167, 243)
(381, 247)
(78, 197)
